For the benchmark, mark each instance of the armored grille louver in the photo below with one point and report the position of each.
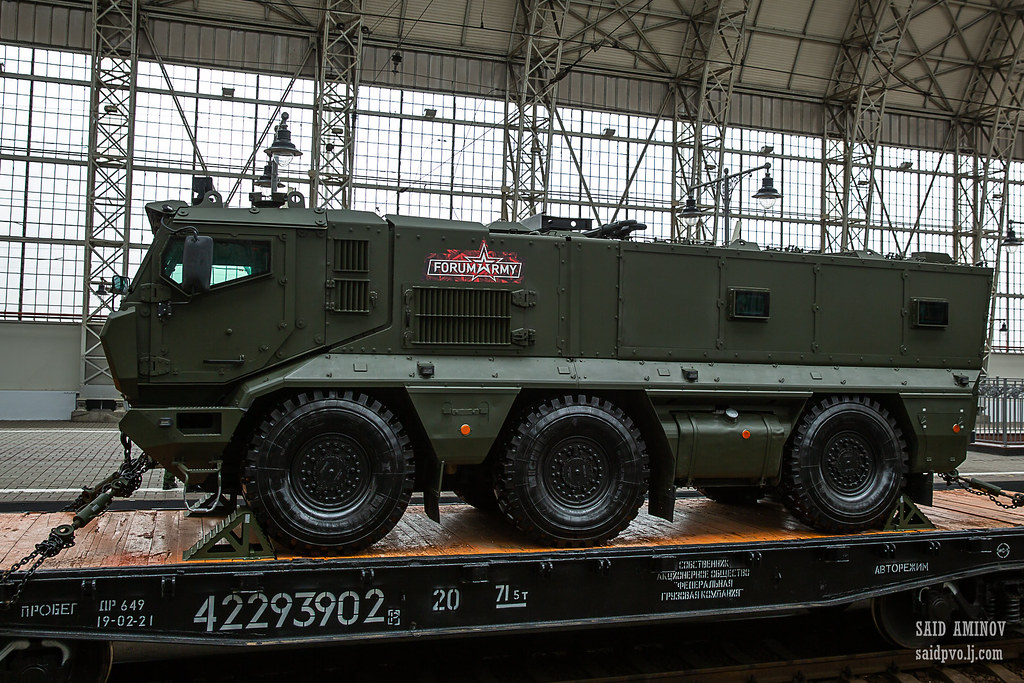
(351, 294)
(352, 255)
(446, 315)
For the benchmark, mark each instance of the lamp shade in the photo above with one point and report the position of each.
(767, 195)
(690, 213)
(283, 147)
(1011, 241)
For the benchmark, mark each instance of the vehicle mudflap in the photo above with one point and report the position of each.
(919, 487)
(432, 491)
(661, 499)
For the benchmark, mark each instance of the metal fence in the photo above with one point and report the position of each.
(1000, 412)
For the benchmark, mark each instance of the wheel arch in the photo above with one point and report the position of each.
(395, 398)
(891, 402)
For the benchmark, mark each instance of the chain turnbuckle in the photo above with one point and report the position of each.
(983, 488)
(90, 504)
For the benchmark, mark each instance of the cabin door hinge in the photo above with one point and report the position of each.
(524, 336)
(154, 366)
(524, 298)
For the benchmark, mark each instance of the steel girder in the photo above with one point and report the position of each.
(986, 130)
(534, 66)
(115, 59)
(336, 98)
(713, 50)
(854, 114)
(988, 123)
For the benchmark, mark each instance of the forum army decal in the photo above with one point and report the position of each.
(482, 265)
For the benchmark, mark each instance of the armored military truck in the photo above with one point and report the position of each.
(325, 364)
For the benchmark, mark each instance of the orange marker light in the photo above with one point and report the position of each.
(956, 429)
(464, 429)
(746, 434)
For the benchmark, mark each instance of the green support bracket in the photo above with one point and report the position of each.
(238, 537)
(907, 516)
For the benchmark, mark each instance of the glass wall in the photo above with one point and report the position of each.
(422, 153)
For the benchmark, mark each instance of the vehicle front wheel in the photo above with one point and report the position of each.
(574, 472)
(329, 473)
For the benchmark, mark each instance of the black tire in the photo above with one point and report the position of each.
(295, 483)
(732, 495)
(574, 473)
(843, 468)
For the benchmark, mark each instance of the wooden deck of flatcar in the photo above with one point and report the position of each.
(160, 537)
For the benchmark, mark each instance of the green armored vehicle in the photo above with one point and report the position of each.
(325, 364)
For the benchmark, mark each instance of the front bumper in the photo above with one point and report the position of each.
(193, 437)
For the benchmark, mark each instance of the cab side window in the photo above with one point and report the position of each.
(232, 260)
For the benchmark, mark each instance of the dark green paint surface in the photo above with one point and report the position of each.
(449, 333)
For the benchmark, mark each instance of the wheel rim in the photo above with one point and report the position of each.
(576, 472)
(331, 472)
(849, 464)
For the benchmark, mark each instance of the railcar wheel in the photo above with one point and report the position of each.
(574, 473)
(53, 661)
(329, 473)
(732, 495)
(913, 619)
(843, 469)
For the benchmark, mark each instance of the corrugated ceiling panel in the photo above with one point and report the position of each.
(784, 14)
(227, 48)
(222, 42)
(427, 22)
(39, 24)
(914, 131)
(829, 18)
(423, 71)
(750, 110)
(928, 28)
(975, 25)
(814, 64)
(768, 61)
(613, 94)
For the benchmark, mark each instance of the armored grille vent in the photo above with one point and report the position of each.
(462, 316)
(350, 296)
(352, 255)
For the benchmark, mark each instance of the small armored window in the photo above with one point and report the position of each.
(930, 312)
(749, 304)
(232, 260)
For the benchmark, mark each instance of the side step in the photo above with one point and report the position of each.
(238, 537)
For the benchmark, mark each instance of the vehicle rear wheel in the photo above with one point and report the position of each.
(732, 495)
(574, 473)
(329, 473)
(843, 469)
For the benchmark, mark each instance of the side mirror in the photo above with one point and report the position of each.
(119, 284)
(197, 264)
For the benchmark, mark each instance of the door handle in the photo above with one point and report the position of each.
(230, 361)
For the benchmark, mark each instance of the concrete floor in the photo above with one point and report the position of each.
(52, 461)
